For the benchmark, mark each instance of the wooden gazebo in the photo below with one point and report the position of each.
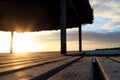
(38, 15)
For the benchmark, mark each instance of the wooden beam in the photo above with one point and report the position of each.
(63, 26)
(80, 38)
(11, 44)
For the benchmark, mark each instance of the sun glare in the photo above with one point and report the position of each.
(23, 43)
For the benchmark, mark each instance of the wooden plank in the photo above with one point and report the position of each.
(80, 70)
(27, 55)
(115, 58)
(12, 59)
(111, 68)
(18, 65)
(30, 73)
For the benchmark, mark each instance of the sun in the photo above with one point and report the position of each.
(22, 42)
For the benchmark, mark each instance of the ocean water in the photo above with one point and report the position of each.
(90, 52)
(103, 52)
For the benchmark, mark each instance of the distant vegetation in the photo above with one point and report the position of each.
(117, 48)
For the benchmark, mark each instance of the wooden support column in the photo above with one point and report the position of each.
(63, 26)
(80, 38)
(11, 42)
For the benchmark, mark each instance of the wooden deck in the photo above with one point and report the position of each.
(53, 66)
(80, 70)
(111, 67)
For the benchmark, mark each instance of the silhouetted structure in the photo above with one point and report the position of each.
(38, 15)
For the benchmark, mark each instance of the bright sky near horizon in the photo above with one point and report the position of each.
(103, 33)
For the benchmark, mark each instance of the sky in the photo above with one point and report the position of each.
(103, 33)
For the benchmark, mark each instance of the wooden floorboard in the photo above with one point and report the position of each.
(29, 66)
(115, 58)
(30, 73)
(80, 70)
(15, 66)
(111, 68)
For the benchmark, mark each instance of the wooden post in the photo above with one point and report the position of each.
(80, 38)
(63, 26)
(11, 43)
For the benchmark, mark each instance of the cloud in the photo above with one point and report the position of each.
(91, 40)
(112, 24)
(106, 8)
(72, 34)
(110, 38)
(46, 36)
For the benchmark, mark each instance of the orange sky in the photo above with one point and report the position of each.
(50, 41)
(33, 42)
